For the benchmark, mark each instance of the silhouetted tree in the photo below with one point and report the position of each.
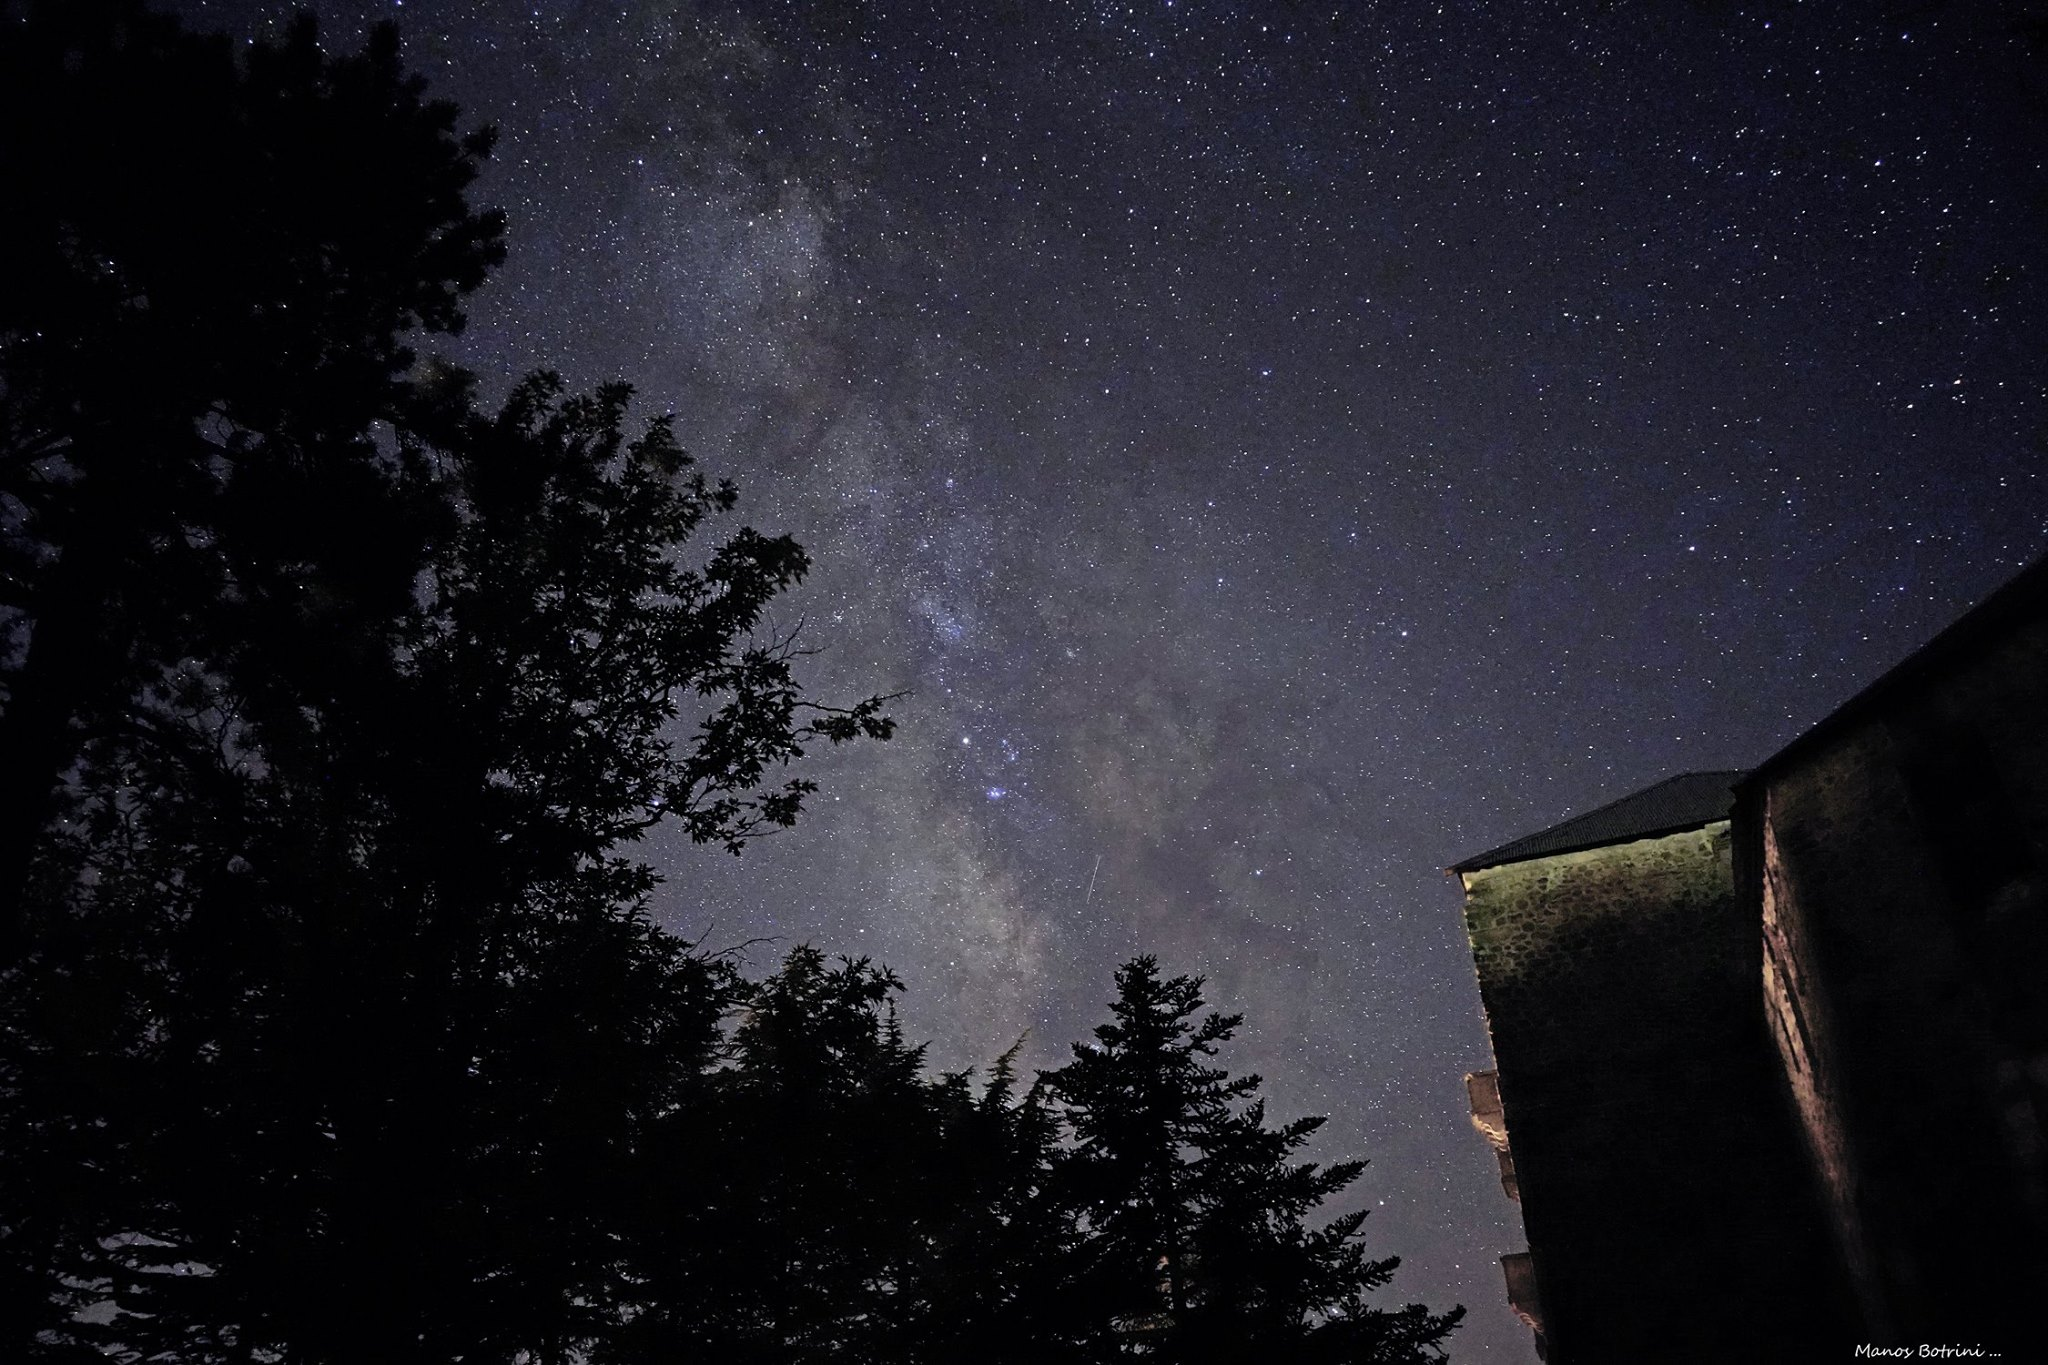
(350, 1013)
(994, 1287)
(331, 1019)
(211, 263)
(211, 266)
(1195, 1243)
(784, 1207)
(822, 1200)
(333, 1023)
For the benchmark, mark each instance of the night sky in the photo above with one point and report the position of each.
(1281, 450)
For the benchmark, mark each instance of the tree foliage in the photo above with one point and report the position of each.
(1195, 1213)
(213, 266)
(334, 1025)
(333, 1016)
(823, 1199)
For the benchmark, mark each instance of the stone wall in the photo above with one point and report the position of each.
(1903, 895)
(1668, 1211)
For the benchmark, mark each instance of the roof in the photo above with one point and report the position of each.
(1684, 802)
(2023, 599)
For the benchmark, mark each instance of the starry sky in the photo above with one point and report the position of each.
(1280, 449)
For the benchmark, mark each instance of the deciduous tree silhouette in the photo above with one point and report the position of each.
(346, 940)
(212, 263)
(331, 1019)
(333, 1023)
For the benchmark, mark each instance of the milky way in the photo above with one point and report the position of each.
(1280, 450)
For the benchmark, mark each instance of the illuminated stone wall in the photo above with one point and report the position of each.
(1659, 1167)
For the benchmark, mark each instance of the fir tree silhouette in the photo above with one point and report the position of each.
(1195, 1240)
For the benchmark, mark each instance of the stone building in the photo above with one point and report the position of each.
(1635, 1105)
(1772, 1048)
(1895, 860)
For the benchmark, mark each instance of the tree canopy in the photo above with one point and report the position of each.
(214, 263)
(824, 1199)
(334, 1022)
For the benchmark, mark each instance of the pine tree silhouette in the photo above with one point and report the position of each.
(1195, 1241)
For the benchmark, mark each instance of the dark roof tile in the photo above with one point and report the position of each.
(1686, 801)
